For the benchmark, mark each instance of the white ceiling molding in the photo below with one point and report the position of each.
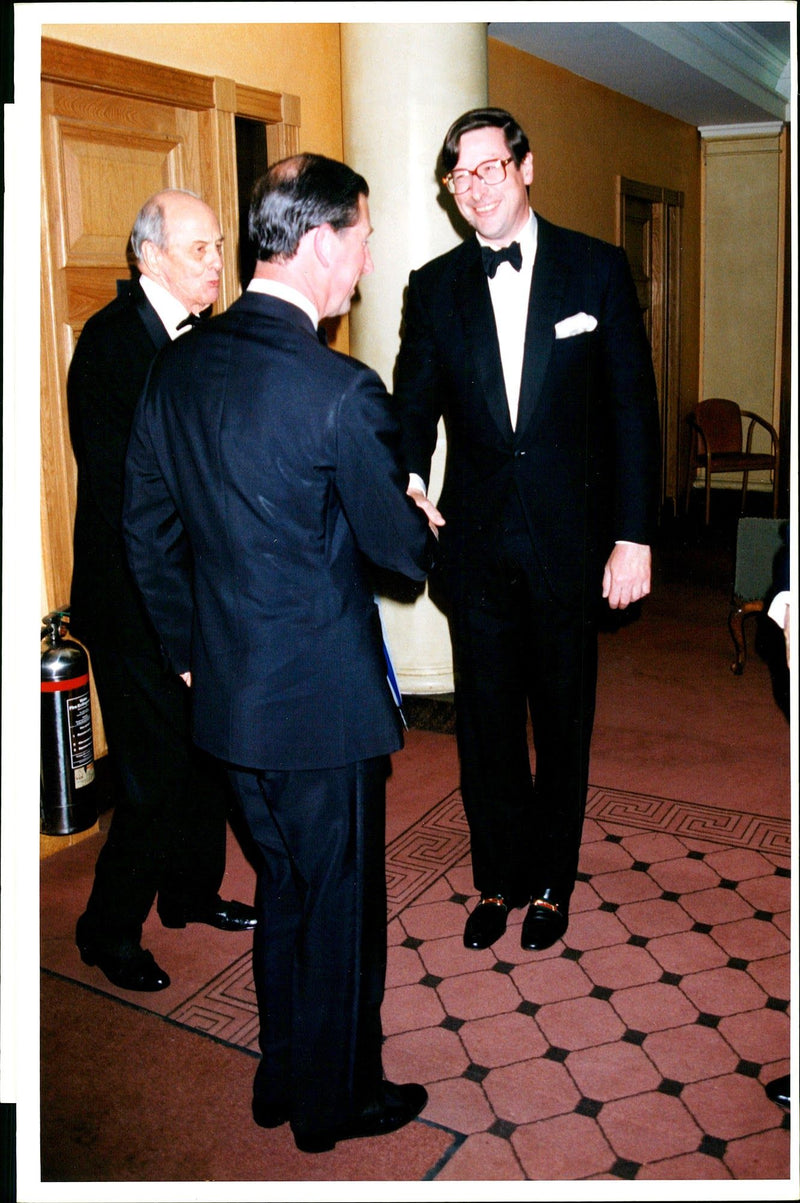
(702, 72)
(733, 55)
(765, 129)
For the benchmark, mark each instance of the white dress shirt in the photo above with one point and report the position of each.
(778, 607)
(168, 308)
(510, 292)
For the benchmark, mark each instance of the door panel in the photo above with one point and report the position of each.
(102, 174)
(88, 289)
(102, 161)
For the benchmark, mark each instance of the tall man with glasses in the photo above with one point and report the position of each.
(528, 340)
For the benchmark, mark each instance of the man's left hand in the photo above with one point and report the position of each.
(627, 575)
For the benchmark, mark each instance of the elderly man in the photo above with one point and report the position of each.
(168, 830)
(263, 476)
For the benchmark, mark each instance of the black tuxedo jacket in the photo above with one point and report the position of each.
(263, 474)
(584, 457)
(106, 376)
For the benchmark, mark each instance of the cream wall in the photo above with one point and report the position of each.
(301, 59)
(743, 272)
(583, 135)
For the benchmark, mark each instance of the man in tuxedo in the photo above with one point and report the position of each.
(263, 475)
(168, 830)
(528, 340)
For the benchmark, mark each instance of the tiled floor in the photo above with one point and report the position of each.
(635, 1049)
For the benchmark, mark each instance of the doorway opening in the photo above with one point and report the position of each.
(650, 232)
(251, 163)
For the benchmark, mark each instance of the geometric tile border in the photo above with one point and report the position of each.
(734, 828)
(420, 855)
(417, 857)
(226, 1007)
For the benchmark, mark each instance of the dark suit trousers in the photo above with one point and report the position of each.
(319, 952)
(168, 830)
(518, 652)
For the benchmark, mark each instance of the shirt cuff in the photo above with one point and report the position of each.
(778, 607)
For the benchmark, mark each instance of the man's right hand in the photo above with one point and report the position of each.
(435, 519)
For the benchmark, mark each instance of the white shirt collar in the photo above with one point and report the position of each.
(527, 238)
(168, 308)
(285, 292)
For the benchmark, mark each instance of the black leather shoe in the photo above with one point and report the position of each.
(398, 1106)
(135, 970)
(487, 922)
(778, 1091)
(227, 916)
(545, 922)
(269, 1115)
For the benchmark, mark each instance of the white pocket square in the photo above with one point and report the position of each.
(579, 323)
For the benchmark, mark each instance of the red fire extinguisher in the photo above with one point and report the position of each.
(67, 794)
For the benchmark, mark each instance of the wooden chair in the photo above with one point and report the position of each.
(758, 542)
(716, 446)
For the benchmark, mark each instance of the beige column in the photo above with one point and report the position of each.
(402, 87)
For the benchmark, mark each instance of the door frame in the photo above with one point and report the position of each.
(665, 300)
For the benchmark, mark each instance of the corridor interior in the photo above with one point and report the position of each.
(634, 1051)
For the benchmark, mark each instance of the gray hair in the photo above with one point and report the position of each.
(151, 223)
(297, 195)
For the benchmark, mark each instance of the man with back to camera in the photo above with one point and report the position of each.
(263, 473)
(528, 339)
(168, 830)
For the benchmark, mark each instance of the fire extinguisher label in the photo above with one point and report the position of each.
(84, 775)
(79, 711)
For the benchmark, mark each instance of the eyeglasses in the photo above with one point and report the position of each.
(493, 171)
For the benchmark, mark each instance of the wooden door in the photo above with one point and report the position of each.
(649, 220)
(101, 157)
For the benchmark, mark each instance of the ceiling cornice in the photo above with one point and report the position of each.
(702, 72)
(763, 129)
(737, 58)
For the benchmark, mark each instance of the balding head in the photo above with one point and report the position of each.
(176, 241)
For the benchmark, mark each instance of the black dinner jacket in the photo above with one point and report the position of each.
(263, 474)
(106, 376)
(584, 457)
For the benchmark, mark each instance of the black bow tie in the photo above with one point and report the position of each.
(493, 259)
(194, 319)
